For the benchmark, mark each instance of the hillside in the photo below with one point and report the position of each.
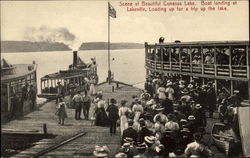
(26, 46)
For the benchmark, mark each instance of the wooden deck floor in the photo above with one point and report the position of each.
(80, 147)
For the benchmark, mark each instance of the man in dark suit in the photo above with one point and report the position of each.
(129, 132)
(143, 132)
(112, 115)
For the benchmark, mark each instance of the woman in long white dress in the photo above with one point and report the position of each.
(123, 112)
(137, 110)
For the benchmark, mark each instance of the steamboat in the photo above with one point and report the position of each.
(72, 79)
(13, 80)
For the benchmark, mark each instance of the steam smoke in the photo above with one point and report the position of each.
(47, 34)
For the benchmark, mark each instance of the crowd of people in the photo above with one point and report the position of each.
(238, 56)
(168, 119)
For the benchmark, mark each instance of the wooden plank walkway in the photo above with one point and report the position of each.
(80, 147)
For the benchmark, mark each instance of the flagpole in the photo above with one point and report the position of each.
(109, 71)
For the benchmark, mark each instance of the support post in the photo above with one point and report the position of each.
(202, 61)
(215, 62)
(190, 58)
(231, 87)
(216, 86)
(45, 128)
(230, 62)
(170, 59)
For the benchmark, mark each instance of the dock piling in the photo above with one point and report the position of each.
(45, 128)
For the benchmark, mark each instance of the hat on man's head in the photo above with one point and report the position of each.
(121, 155)
(123, 102)
(136, 100)
(126, 144)
(184, 91)
(149, 139)
(113, 101)
(185, 130)
(158, 107)
(198, 106)
(190, 86)
(169, 83)
(128, 140)
(100, 151)
(183, 121)
(191, 117)
(141, 146)
(236, 91)
(197, 135)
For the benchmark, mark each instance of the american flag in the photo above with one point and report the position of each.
(112, 11)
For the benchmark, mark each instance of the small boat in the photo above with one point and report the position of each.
(225, 141)
(222, 142)
(72, 79)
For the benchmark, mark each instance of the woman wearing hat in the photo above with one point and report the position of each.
(163, 118)
(170, 91)
(123, 114)
(137, 109)
(100, 113)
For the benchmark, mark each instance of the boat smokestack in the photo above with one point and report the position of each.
(74, 58)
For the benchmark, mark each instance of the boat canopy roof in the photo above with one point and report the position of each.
(201, 43)
(20, 70)
(64, 74)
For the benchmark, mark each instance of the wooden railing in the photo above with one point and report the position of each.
(236, 71)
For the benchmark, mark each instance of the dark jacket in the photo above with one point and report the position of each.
(131, 133)
(143, 133)
(113, 112)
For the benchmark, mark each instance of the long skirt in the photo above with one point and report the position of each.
(136, 124)
(124, 123)
(101, 117)
(92, 89)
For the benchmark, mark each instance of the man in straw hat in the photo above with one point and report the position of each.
(128, 149)
(113, 116)
(200, 116)
(150, 151)
(191, 124)
(141, 149)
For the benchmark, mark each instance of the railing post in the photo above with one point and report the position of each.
(202, 61)
(215, 62)
(230, 62)
(190, 62)
(170, 59)
(247, 62)
(180, 59)
(248, 69)
(155, 56)
(161, 57)
(146, 53)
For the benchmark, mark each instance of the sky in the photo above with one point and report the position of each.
(88, 20)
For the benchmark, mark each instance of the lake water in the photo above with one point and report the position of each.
(128, 64)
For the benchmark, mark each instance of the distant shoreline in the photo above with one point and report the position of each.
(70, 51)
(27, 46)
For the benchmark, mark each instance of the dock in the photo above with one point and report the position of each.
(77, 138)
